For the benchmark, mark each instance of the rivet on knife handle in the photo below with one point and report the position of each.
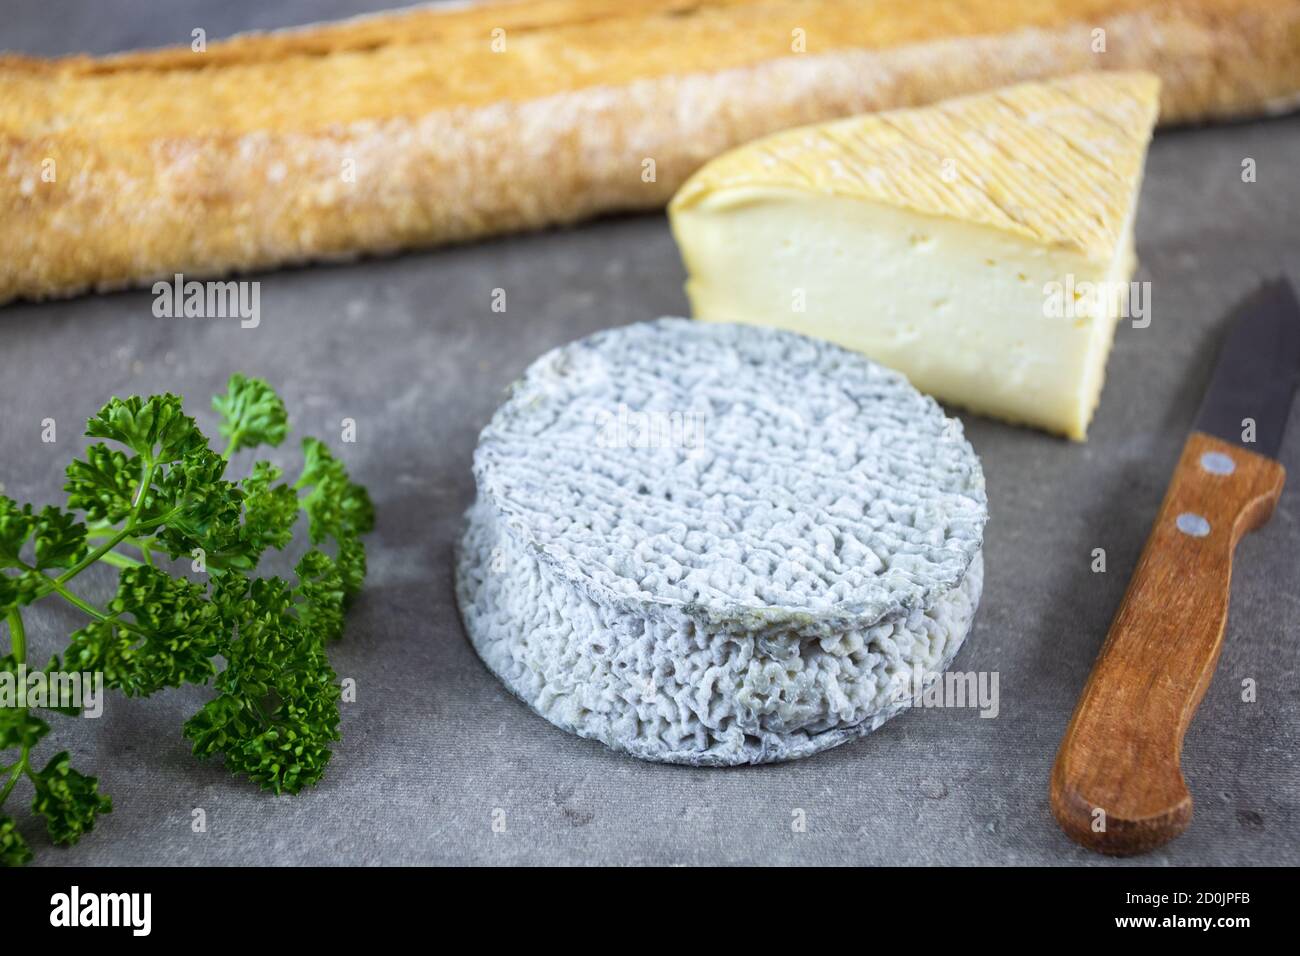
(1118, 786)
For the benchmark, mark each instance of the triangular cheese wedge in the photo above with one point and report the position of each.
(982, 246)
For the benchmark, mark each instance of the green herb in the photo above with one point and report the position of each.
(150, 496)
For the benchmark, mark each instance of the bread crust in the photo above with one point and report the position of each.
(333, 141)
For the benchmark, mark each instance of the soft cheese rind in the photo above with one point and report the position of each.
(661, 687)
(760, 588)
(1057, 163)
(932, 239)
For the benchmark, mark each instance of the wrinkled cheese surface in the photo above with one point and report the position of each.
(718, 544)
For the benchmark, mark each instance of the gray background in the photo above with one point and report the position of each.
(409, 347)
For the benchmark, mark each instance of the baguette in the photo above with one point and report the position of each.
(442, 125)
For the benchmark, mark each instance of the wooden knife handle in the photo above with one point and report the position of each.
(1117, 786)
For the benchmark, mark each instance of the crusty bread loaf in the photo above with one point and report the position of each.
(438, 125)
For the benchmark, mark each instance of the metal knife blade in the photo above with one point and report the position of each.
(1258, 371)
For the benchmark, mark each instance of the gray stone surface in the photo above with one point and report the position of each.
(410, 348)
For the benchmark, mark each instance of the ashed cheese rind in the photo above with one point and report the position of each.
(715, 544)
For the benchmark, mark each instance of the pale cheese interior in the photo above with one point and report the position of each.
(957, 307)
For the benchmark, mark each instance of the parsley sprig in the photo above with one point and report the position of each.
(148, 496)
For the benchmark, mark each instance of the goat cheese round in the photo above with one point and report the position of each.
(719, 544)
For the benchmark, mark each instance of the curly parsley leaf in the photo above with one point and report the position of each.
(205, 511)
(154, 428)
(166, 493)
(336, 507)
(69, 801)
(60, 539)
(270, 510)
(18, 727)
(19, 590)
(251, 414)
(170, 640)
(320, 595)
(277, 710)
(13, 848)
(351, 561)
(16, 525)
(103, 485)
(63, 698)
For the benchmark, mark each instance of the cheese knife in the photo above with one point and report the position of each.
(1117, 786)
